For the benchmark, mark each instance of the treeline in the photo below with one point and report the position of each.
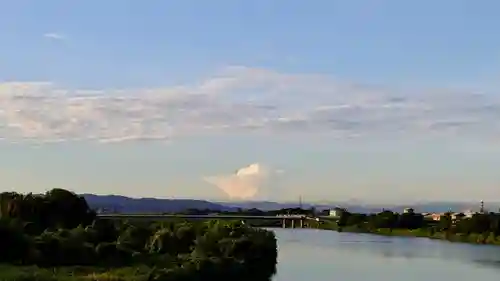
(58, 229)
(479, 228)
(385, 219)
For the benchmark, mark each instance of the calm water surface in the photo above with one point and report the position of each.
(316, 255)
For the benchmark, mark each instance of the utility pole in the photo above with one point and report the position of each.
(482, 207)
(300, 201)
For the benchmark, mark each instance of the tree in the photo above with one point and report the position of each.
(56, 208)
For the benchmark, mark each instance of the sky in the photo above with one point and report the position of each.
(328, 100)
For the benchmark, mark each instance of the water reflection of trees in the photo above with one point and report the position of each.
(411, 248)
(488, 263)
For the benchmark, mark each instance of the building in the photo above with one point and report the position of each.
(336, 212)
(457, 216)
(408, 211)
(433, 216)
(454, 215)
(468, 214)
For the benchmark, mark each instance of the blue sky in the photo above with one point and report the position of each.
(379, 101)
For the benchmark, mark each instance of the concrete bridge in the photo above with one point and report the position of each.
(286, 220)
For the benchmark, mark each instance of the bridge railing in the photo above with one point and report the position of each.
(160, 216)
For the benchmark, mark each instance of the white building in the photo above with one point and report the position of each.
(408, 211)
(336, 212)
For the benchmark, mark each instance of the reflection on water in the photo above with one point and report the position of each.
(308, 254)
(490, 263)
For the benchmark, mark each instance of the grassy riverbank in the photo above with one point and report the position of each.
(472, 238)
(74, 273)
(479, 229)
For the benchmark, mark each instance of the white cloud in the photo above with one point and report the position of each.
(241, 99)
(54, 36)
(245, 183)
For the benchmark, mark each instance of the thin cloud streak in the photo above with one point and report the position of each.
(54, 36)
(242, 99)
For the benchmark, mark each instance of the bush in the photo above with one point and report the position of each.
(15, 246)
(135, 238)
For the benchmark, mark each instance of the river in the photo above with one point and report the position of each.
(319, 255)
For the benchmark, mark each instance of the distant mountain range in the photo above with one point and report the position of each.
(122, 204)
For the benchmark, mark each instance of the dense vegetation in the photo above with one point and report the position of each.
(483, 228)
(56, 236)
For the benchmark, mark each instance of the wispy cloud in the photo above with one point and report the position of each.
(54, 36)
(241, 99)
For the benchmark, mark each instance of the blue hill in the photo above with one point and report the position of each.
(122, 204)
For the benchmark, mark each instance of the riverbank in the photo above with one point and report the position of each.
(74, 273)
(472, 238)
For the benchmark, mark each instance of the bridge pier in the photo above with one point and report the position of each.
(301, 222)
(293, 223)
(285, 222)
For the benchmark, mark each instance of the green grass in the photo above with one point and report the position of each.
(472, 238)
(74, 273)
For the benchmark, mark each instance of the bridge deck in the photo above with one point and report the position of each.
(236, 217)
